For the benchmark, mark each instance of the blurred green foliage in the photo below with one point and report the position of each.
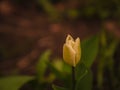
(72, 9)
(101, 9)
(58, 88)
(106, 63)
(13, 82)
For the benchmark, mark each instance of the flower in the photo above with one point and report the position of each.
(72, 51)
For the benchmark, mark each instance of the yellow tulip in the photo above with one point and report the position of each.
(72, 51)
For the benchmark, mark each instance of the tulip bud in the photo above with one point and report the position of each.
(72, 51)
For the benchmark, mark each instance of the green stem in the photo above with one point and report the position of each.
(73, 78)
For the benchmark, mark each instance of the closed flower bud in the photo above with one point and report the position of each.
(72, 51)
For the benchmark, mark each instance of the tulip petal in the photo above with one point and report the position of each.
(69, 54)
(69, 37)
(77, 50)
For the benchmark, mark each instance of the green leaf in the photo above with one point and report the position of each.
(13, 82)
(59, 68)
(42, 65)
(58, 88)
(58, 64)
(81, 71)
(85, 83)
(66, 68)
(55, 71)
(89, 48)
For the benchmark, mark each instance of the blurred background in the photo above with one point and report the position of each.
(29, 27)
